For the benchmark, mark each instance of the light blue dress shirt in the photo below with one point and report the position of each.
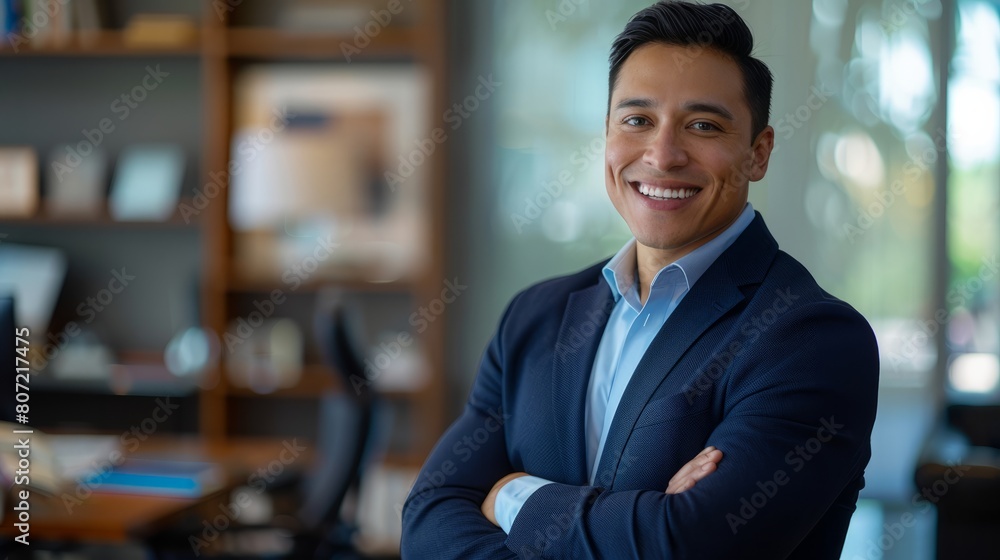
(630, 329)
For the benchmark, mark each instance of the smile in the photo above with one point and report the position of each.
(658, 193)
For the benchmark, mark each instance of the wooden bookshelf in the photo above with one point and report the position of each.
(100, 219)
(353, 283)
(272, 44)
(105, 43)
(219, 50)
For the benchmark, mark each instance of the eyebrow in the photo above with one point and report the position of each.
(703, 107)
(692, 106)
(635, 102)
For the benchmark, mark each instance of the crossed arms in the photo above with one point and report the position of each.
(795, 430)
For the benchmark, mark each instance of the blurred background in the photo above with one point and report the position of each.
(259, 247)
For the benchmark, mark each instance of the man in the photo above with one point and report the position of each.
(697, 395)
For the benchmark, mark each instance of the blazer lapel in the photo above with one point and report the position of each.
(744, 262)
(580, 333)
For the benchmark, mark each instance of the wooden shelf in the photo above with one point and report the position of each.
(316, 380)
(247, 42)
(102, 219)
(252, 42)
(126, 378)
(239, 283)
(109, 43)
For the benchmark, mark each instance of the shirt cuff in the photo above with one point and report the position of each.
(512, 496)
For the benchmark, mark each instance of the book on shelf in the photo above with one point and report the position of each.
(47, 22)
(181, 479)
(43, 23)
(11, 19)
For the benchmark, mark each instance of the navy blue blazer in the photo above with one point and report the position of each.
(757, 360)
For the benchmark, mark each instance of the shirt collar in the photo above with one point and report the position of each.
(620, 272)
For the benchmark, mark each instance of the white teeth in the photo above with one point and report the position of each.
(656, 192)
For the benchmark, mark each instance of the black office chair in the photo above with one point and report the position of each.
(315, 528)
(968, 506)
(344, 436)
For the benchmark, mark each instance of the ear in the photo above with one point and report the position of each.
(761, 153)
(607, 120)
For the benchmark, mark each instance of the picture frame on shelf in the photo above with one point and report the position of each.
(18, 182)
(147, 183)
(338, 163)
(78, 190)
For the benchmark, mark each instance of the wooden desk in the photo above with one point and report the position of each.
(108, 517)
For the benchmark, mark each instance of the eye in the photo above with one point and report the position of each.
(704, 126)
(635, 121)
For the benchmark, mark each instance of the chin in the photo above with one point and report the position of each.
(658, 241)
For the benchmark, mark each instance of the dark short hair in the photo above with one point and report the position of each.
(713, 26)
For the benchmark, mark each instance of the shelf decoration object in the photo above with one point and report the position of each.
(160, 30)
(311, 155)
(265, 357)
(18, 182)
(147, 183)
(50, 22)
(75, 190)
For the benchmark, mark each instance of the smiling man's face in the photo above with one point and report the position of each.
(679, 154)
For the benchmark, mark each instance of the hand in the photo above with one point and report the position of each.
(696, 469)
(491, 498)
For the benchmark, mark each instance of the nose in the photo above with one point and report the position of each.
(665, 150)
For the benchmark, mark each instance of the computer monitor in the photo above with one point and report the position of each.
(34, 276)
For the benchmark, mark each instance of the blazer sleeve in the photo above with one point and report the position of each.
(442, 518)
(797, 419)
